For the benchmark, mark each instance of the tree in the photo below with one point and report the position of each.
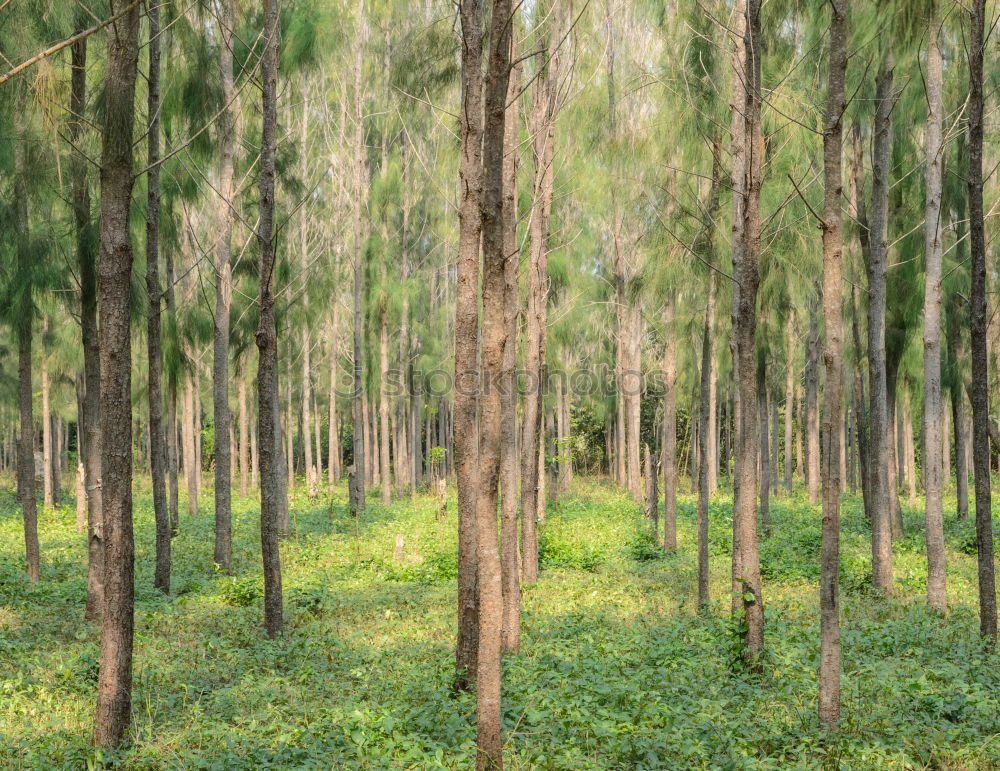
(114, 697)
(161, 579)
(937, 597)
(746, 563)
(467, 381)
(494, 333)
(833, 135)
(877, 265)
(223, 296)
(267, 335)
(980, 385)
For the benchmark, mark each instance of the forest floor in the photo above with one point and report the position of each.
(617, 671)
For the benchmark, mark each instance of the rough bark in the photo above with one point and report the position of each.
(704, 445)
(466, 433)
(542, 128)
(114, 685)
(746, 561)
(510, 554)
(494, 333)
(359, 477)
(154, 358)
(937, 596)
(877, 264)
(833, 352)
(812, 405)
(980, 384)
(668, 452)
(24, 324)
(383, 401)
(267, 336)
(789, 396)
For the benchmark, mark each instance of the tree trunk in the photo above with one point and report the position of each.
(704, 445)
(937, 596)
(114, 686)
(154, 354)
(510, 554)
(833, 243)
(542, 130)
(980, 374)
(494, 338)
(467, 383)
(383, 401)
(47, 494)
(746, 563)
(789, 396)
(668, 452)
(244, 443)
(267, 336)
(173, 503)
(357, 497)
(812, 405)
(24, 323)
(765, 453)
(958, 423)
(333, 437)
(879, 413)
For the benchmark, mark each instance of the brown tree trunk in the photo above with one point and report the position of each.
(668, 450)
(704, 445)
(937, 596)
(173, 503)
(746, 563)
(24, 323)
(879, 447)
(467, 383)
(47, 493)
(267, 336)
(360, 460)
(510, 554)
(244, 442)
(333, 437)
(114, 685)
(789, 396)
(812, 405)
(154, 358)
(833, 244)
(383, 401)
(980, 374)
(542, 128)
(494, 333)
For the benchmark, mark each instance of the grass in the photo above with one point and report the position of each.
(617, 670)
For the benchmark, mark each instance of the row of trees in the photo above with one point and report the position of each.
(595, 149)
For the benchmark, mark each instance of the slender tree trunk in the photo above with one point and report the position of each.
(467, 383)
(47, 493)
(833, 352)
(704, 446)
(669, 445)
(360, 468)
(789, 396)
(494, 333)
(114, 685)
(746, 563)
(510, 551)
(980, 374)
(879, 448)
(244, 449)
(154, 358)
(24, 324)
(383, 401)
(812, 406)
(958, 423)
(267, 337)
(172, 438)
(542, 126)
(765, 454)
(333, 438)
(937, 597)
